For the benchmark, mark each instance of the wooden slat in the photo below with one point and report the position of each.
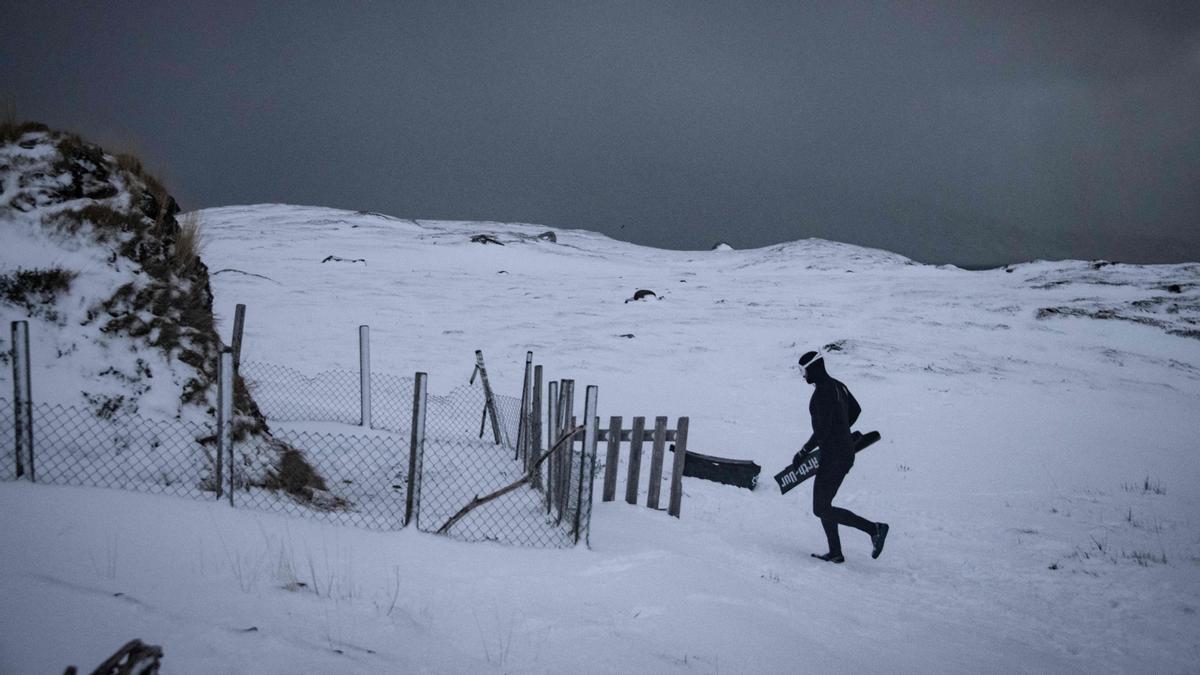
(535, 427)
(568, 452)
(239, 325)
(611, 459)
(656, 462)
(568, 456)
(681, 431)
(521, 452)
(627, 435)
(552, 437)
(587, 460)
(635, 461)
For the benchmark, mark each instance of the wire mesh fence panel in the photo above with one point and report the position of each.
(578, 481)
(73, 446)
(286, 395)
(508, 412)
(391, 402)
(366, 476)
(8, 443)
(460, 414)
(456, 471)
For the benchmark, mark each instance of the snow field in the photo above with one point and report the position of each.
(1039, 474)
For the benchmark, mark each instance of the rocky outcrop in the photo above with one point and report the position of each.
(153, 295)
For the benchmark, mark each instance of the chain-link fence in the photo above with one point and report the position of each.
(366, 476)
(73, 446)
(285, 394)
(461, 459)
(8, 465)
(365, 471)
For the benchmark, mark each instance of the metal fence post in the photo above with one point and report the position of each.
(364, 373)
(416, 448)
(225, 417)
(587, 456)
(22, 400)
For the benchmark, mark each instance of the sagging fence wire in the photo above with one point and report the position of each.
(365, 471)
(285, 394)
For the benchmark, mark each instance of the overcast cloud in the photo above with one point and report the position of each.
(973, 133)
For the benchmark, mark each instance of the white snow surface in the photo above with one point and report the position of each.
(1040, 475)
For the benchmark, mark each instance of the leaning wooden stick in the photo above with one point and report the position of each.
(479, 501)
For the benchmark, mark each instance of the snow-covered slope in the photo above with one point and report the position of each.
(1038, 467)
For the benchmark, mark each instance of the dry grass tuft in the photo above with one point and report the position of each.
(189, 242)
(11, 130)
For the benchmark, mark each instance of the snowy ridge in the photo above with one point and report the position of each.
(1038, 470)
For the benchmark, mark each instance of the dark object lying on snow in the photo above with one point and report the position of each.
(335, 258)
(798, 472)
(135, 657)
(737, 472)
(642, 294)
(486, 239)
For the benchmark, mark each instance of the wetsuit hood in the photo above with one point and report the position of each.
(814, 366)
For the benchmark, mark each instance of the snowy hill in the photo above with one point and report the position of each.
(1038, 467)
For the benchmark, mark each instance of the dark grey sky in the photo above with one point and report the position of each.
(965, 132)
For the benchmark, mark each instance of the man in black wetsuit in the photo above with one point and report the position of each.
(834, 411)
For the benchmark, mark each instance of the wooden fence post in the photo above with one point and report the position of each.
(635, 460)
(489, 403)
(239, 325)
(612, 459)
(681, 432)
(587, 456)
(521, 452)
(535, 428)
(656, 462)
(568, 456)
(552, 435)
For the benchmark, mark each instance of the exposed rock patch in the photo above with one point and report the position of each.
(64, 192)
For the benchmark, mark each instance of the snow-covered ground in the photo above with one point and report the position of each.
(1039, 470)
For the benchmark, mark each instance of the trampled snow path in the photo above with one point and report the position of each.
(1016, 456)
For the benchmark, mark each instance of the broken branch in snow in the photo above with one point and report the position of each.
(480, 501)
(249, 274)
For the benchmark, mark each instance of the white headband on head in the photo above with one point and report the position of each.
(820, 355)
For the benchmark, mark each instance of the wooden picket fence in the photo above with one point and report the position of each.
(636, 436)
